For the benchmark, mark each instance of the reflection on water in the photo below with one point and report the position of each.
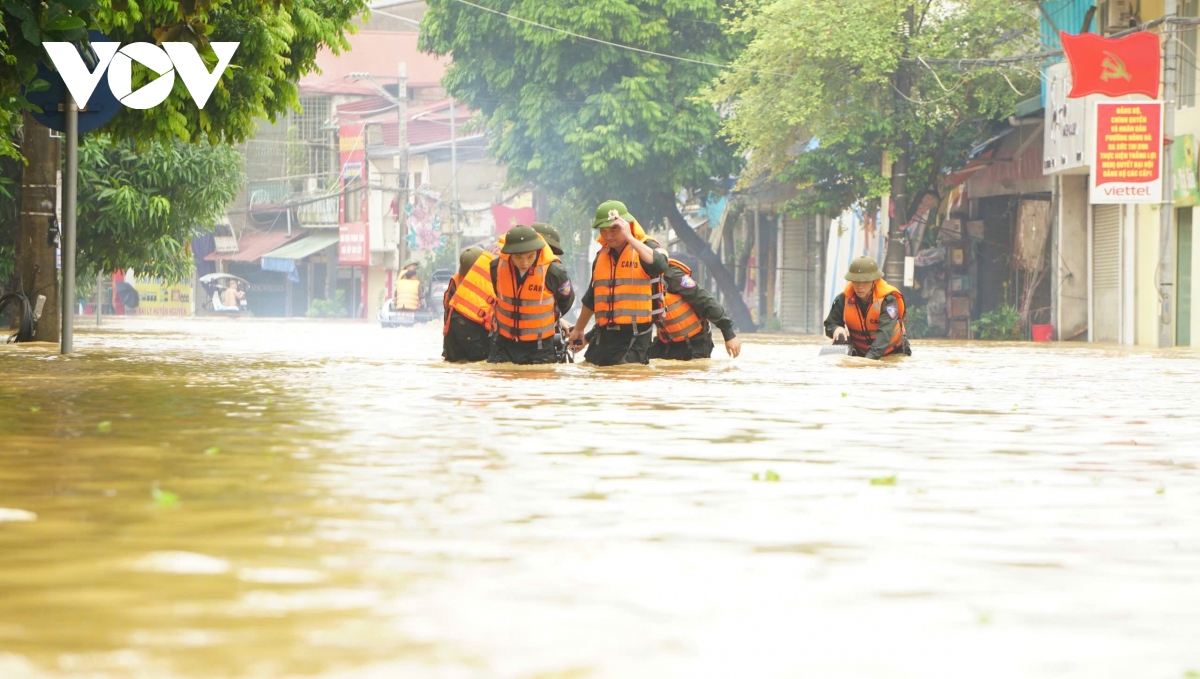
(232, 498)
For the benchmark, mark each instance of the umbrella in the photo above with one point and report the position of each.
(214, 277)
(128, 295)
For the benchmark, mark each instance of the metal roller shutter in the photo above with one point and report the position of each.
(1106, 273)
(798, 279)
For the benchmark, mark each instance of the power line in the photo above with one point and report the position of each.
(1192, 22)
(618, 45)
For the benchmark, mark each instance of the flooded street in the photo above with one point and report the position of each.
(269, 499)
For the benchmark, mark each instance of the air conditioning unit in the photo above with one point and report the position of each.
(1121, 14)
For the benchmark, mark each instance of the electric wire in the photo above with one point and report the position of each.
(620, 46)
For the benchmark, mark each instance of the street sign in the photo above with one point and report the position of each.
(102, 106)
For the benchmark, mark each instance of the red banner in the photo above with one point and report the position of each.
(1112, 66)
(508, 217)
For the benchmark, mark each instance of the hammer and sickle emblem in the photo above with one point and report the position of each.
(1113, 67)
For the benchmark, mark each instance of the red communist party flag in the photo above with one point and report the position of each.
(1112, 66)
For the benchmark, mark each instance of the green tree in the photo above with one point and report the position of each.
(825, 89)
(279, 42)
(571, 114)
(140, 205)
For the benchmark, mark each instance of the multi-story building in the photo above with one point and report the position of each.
(1107, 260)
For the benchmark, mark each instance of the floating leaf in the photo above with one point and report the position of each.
(164, 498)
(104, 427)
(35, 409)
(1161, 490)
(771, 476)
(755, 477)
(844, 394)
(212, 450)
(984, 618)
(884, 480)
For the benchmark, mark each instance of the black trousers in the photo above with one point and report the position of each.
(618, 344)
(466, 341)
(700, 346)
(505, 350)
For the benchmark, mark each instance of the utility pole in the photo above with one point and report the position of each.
(70, 191)
(1166, 229)
(893, 264)
(405, 191)
(454, 173)
(36, 257)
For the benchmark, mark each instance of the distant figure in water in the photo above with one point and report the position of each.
(869, 313)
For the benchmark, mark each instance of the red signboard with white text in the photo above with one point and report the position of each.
(1127, 165)
(353, 248)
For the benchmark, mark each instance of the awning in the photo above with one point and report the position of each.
(251, 246)
(283, 259)
(299, 249)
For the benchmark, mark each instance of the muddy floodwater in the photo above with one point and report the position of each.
(300, 499)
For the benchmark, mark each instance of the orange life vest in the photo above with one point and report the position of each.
(525, 309)
(451, 287)
(473, 296)
(623, 291)
(676, 319)
(863, 330)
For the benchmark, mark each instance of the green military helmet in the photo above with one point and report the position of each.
(550, 235)
(411, 262)
(863, 270)
(602, 219)
(522, 239)
(467, 258)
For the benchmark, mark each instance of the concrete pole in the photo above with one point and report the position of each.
(405, 191)
(99, 287)
(69, 212)
(454, 172)
(1166, 229)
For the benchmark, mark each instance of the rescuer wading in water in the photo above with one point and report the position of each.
(682, 316)
(532, 291)
(468, 309)
(624, 277)
(869, 313)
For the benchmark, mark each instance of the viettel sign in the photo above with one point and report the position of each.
(117, 61)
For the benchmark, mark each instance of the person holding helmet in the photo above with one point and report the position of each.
(869, 313)
(532, 290)
(467, 321)
(621, 296)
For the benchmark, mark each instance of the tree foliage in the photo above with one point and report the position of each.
(819, 94)
(140, 205)
(571, 114)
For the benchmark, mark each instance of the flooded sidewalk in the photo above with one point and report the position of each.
(225, 498)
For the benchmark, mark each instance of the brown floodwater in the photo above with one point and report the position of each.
(191, 498)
